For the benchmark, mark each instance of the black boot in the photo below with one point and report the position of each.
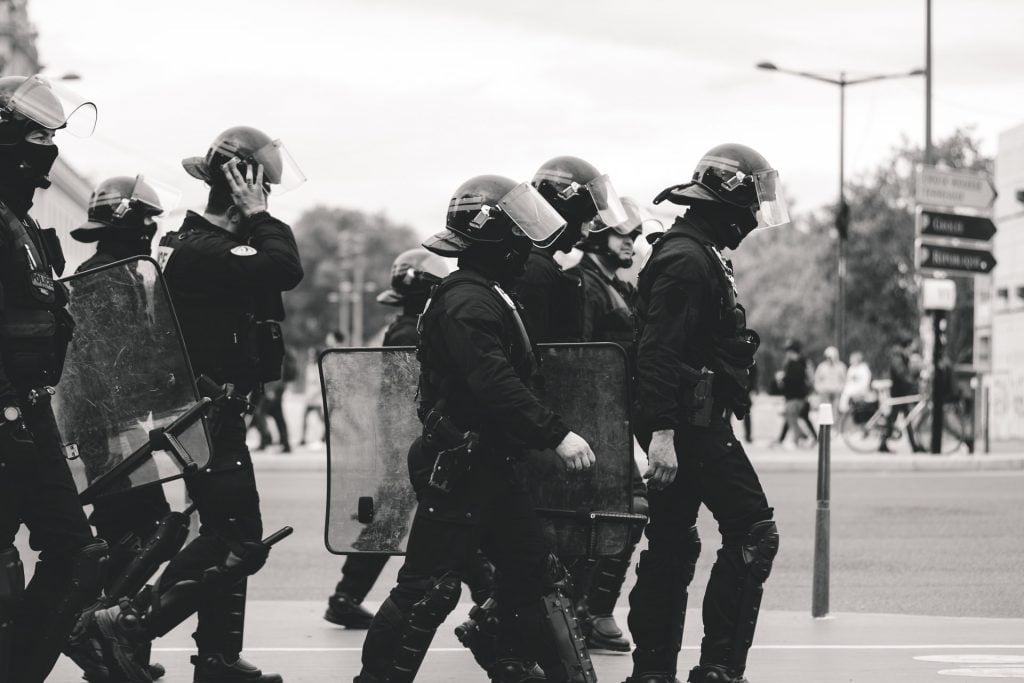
(214, 669)
(124, 642)
(344, 610)
(513, 670)
(714, 673)
(652, 677)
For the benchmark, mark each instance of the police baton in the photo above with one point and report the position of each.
(279, 535)
(819, 598)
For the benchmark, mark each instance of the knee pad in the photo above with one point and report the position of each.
(431, 610)
(759, 549)
(556, 577)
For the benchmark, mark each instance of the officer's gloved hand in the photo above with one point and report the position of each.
(575, 453)
(244, 559)
(16, 441)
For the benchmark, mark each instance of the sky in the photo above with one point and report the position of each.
(389, 105)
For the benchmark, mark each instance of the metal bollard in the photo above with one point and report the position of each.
(819, 598)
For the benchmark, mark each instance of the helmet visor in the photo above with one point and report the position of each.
(606, 201)
(531, 213)
(156, 196)
(632, 224)
(772, 210)
(53, 106)
(279, 167)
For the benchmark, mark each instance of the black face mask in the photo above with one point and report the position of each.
(24, 167)
(730, 224)
(502, 262)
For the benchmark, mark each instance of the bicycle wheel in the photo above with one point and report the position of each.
(954, 427)
(862, 438)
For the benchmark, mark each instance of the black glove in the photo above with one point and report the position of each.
(16, 440)
(244, 559)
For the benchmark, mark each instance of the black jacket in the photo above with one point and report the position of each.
(607, 305)
(473, 355)
(402, 331)
(221, 283)
(552, 300)
(679, 300)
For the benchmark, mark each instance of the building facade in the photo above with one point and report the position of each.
(999, 309)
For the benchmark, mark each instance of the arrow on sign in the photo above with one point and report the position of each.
(941, 187)
(939, 224)
(956, 259)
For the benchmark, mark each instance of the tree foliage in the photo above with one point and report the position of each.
(322, 233)
(787, 277)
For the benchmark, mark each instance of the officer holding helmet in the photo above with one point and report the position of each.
(225, 270)
(693, 360)
(36, 486)
(479, 415)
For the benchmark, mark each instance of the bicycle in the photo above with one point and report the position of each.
(865, 436)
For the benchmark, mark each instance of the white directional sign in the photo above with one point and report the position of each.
(942, 187)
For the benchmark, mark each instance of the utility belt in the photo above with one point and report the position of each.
(454, 450)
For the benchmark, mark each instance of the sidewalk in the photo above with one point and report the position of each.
(765, 459)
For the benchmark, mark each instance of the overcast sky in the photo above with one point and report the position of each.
(388, 105)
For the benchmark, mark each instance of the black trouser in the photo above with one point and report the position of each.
(714, 471)
(491, 511)
(40, 492)
(229, 508)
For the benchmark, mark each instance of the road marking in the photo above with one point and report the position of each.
(986, 672)
(972, 659)
(685, 647)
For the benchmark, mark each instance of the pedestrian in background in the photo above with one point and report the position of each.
(858, 382)
(830, 377)
(314, 400)
(796, 387)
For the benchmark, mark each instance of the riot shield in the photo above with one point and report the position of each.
(370, 408)
(127, 405)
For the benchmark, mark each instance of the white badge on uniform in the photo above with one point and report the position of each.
(243, 250)
(163, 255)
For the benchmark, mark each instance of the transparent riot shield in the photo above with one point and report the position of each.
(370, 404)
(127, 406)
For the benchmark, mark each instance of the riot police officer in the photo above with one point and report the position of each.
(479, 415)
(693, 359)
(413, 274)
(608, 303)
(552, 300)
(36, 486)
(121, 222)
(225, 270)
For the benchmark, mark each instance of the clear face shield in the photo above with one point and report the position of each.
(632, 224)
(606, 200)
(279, 167)
(772, 210)
(531, 213)
(53, 106)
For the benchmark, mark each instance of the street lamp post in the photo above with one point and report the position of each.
(843, 210)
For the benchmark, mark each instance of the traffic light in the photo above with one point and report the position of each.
(843, 220)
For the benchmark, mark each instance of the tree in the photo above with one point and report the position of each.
(787, 277)
(312, 306)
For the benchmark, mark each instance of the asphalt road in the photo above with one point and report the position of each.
(946, 544)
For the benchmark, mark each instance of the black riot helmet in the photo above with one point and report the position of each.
(413, 273)
(124, 207)
(251, 147)
(578, 191)
(734, 176)
(29, 104)
(492, 209)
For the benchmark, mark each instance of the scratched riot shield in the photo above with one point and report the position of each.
(370, 402)
(127, 406)
(370, 410)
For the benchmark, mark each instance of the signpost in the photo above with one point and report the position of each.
(943, 187)
(954, 260)
(955, 226)
(954, 239)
